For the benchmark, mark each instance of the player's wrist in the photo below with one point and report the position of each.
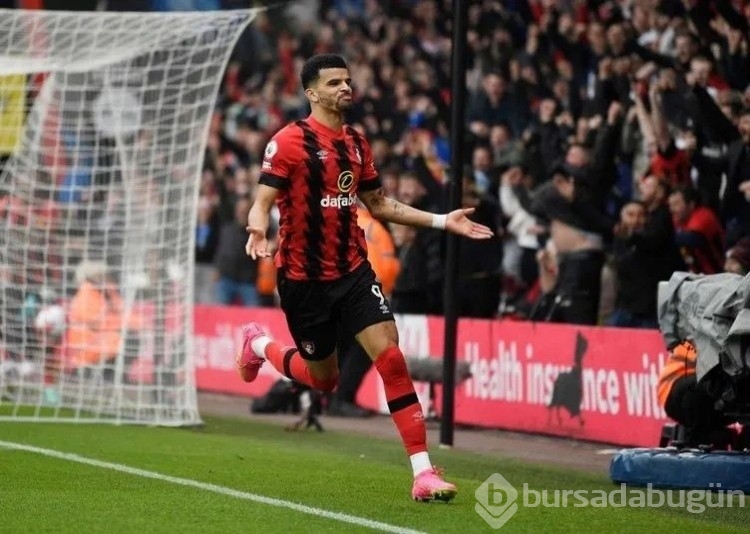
(439, 221)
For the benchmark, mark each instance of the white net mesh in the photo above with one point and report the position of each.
(104, 120)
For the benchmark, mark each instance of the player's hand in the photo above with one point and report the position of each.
(459, 223)
(257, 244)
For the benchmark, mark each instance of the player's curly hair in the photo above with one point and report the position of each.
(312, 67)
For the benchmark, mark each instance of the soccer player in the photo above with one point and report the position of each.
(316, 169)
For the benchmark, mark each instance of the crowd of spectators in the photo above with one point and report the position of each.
(608, 143)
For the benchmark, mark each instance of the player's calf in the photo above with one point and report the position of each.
(406, 412)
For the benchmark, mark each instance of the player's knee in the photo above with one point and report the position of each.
(391, 363)
(326, 385)
(378, 338)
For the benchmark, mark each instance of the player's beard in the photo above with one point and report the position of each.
(344, 104)
(336, 104)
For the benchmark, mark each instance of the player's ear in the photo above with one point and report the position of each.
(312, 96)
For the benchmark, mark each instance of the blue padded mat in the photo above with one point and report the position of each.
(669, 468)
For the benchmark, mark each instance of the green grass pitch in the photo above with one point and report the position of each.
(244, 476)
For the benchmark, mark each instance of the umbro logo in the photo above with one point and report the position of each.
(322, 155)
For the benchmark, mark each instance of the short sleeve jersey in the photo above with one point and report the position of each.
(319, 172)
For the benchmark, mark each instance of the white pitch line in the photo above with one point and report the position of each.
(310, 510)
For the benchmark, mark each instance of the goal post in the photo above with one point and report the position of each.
(104, 120)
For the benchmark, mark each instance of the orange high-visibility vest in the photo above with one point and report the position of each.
(681, 362)
(94, 325)
(266, 281)
(381, 251)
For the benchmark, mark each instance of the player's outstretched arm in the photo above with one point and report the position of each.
(257, 221)
(391, 210)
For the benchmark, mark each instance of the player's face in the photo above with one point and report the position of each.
(333, 91)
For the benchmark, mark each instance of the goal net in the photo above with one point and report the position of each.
(104, 121)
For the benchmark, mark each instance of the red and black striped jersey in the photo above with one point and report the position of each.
(319, 172)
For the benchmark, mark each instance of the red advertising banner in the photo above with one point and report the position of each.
(595, 384)
(588, 383)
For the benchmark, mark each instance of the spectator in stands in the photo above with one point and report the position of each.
(381, 252)
(551, 133)
(738, 258)
(483, 179)
(736, 213)
(480, 266)
(522, 229)
(206, 243)
(390, 178)
(420, 282)
(698, 232)
(669, 161)
(638, 270)
(658, 234)
(574, 203)
(493, 104)
(678, 72)
(411, 292)
(545, 306)
(506, 151)
(235, 276)
(95, 317)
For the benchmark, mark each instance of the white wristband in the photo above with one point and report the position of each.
(438, 221)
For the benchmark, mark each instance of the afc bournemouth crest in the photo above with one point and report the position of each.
(308, 347)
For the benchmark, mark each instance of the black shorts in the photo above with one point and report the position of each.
(319, 313)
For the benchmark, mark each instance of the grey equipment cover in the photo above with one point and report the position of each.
(711, 311)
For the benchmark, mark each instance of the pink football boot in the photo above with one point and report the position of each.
(430, 486)
(248, 363)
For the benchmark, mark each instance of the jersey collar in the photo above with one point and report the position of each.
(322, 128)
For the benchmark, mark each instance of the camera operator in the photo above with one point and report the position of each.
(689, 404)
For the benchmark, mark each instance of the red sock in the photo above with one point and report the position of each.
(402, 400)
(288, 362)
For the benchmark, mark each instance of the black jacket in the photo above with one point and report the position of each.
(231, 260)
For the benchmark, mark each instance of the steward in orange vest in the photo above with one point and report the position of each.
(381, 252)
(687, 402)
(681, 363)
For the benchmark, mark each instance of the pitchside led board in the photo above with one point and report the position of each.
(596, 384)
